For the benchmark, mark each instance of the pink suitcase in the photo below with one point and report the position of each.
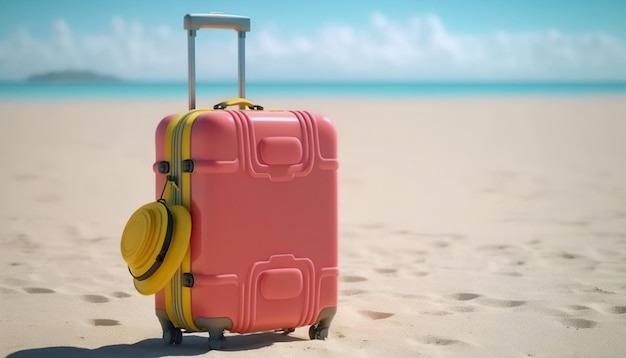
(261, 190)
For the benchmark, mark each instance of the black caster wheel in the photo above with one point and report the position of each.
(217, 343)
(217, 340)
(172, 336)
(288, 330)
(178, 336)
(316, 332)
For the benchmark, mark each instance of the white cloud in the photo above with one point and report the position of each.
(421, 48)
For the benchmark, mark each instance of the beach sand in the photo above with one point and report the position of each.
(469, 227)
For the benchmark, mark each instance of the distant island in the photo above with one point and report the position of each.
(72, 76)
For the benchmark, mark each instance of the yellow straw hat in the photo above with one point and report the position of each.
(154, 244)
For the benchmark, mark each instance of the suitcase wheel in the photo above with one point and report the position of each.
(172, 336)
(316, 332)
(217, 341)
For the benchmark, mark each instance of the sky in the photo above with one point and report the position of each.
(346, 40)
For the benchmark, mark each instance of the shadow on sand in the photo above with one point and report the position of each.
(152, 348)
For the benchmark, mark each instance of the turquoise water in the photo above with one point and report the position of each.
(130, 90)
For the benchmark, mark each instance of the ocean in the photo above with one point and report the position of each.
(134, 90)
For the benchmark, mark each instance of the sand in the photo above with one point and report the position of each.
(476, 227)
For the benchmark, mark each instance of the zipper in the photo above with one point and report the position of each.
(176, 283)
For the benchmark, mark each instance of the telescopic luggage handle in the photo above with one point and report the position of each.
(195, 22)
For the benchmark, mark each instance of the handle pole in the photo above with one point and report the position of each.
(191, 61)
(242, 65)
(194, 22)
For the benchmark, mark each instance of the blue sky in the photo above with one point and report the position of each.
(322, 40)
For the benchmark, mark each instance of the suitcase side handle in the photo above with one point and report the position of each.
(195, 22)
(238, 101)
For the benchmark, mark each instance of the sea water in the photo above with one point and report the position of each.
(154, 90)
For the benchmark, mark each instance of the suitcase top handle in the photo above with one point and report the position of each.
(217, 21)
(195, 22)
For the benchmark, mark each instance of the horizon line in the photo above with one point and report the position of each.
(326, 82)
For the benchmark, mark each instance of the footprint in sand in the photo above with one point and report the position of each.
(38, 290)
(437, 313)
(375, 315)
(405, 295)
(104, 322)
(617, 309)
(403, 232)
(463, 309)
(120, 294)
(492, 302)
(578, 307)
(386, 271)
(438, 341)
(497, 248)
(373, 226)
(348, 234)
(95, 298)
(578, 323)
(566, 255)
(352, 279)
(464, 296)
(352, 292)
(596, 290)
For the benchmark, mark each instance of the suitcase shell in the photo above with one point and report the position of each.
(261, 187)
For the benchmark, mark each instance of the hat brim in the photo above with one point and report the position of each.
(179, 245)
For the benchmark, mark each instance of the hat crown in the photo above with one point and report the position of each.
(143, 237)
(154, 243)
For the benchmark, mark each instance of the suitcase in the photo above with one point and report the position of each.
(243, 235)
